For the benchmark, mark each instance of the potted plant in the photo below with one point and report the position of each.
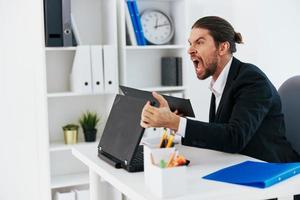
(88, 122)
(70, 133)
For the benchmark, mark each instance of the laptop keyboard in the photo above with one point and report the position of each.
(138, 158)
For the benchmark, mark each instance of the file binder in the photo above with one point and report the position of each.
(129, 26)
(64, 195)
(168, 71)
(133, 21)
(110, 69)
(53, 23)
(82, 194)
(66, 23)
(97, 69)
(256, 174)
(171, 71)
(179, 71)
(138, 22)
(81, 71)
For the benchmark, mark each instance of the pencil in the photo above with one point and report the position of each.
(162, 142)
(170, 139)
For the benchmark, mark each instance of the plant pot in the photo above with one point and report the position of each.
(70, 133)
(70, 136)
(90, 134)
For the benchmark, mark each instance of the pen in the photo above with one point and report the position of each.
(170, 139)
(171, 159)
(163, 139)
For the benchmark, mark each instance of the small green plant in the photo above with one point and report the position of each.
(89, 120)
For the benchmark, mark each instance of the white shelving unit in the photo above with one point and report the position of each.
(149, 47)
(69, 180)
(97, 25)
(61, 146)
(140, 66)
(60, 48)
(99, 22)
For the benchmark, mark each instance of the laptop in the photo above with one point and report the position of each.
(183, 106)
(119, 144)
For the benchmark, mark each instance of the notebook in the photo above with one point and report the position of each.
(182, 105)
(119, 144)
(256, 174)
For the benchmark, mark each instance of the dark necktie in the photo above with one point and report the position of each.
(212, 110)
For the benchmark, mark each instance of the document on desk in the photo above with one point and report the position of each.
(256, 174)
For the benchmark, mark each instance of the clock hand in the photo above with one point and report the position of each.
(156, 23)
(160, 25)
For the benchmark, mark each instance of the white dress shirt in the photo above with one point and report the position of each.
(216, 87)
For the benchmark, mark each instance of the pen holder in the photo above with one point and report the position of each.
(163, 182)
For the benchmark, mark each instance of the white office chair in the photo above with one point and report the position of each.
(289, 92)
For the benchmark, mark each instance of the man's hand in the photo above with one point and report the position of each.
(159, 117)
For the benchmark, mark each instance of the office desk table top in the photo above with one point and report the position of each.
(203, 162)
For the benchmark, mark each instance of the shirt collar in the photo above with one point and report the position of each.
(218, 86)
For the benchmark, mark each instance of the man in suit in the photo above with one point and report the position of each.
(245, 111)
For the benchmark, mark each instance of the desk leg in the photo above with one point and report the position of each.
(102, 190)
(95, 185)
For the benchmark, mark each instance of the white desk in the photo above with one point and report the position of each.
(202, 163)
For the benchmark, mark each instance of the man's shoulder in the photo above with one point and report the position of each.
(252, 77)
(248, 70)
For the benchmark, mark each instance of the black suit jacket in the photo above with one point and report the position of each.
(248, 121)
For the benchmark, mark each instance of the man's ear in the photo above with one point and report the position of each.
(224, 48)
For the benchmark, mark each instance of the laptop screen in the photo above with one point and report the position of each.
(122, 132)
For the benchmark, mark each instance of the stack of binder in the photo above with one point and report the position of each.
(58, 26)
(95, 70)
(171, 71)
(133, 23)
(256, 174)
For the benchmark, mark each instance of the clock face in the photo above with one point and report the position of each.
(157, 26)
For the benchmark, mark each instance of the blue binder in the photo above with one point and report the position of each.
(256, 174)
(134, 22)
(138, 22)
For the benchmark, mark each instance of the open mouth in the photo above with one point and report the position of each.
(195, 62)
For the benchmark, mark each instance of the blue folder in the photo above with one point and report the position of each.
(134, 22)
(256, 174)
(138, 22)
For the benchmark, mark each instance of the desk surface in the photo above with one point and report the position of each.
(203, 162)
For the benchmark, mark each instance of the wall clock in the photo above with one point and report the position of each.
(157, 26)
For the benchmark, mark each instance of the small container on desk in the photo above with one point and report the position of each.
(163, 182)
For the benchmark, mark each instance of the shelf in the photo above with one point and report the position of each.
(152, 47)
(61, 146)
(60, 48)
(69, 180)
(165, 88)
(70, 94)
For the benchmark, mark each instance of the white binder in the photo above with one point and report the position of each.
(97, 69)
(81, 71)
(110, 61)
(64, 196)
(82, 194)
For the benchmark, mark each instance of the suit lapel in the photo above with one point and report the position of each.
(233, 72)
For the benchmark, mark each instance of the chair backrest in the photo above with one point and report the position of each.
(289, 92)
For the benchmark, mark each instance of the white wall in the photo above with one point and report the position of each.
(24, 168)
(271, 31)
